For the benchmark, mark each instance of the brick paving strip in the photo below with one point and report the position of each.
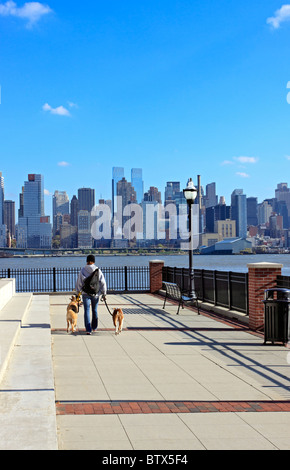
(147, 407)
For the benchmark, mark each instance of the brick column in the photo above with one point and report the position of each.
(262, 276)
(155, 268)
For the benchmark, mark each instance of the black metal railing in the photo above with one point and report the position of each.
(118, 279)
(220, 288)
(283, 282)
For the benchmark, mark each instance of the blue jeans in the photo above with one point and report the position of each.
(89, 300)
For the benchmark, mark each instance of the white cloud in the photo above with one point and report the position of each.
(281, 15)
(60, 110)
(47, 193)
(31, 11)
(242, 174)
(227, 162)
(246, 159)
(287, 157)
(72, 105)
(63, 164)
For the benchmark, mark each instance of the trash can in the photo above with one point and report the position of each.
(276, 316)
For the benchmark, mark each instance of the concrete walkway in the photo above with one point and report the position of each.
(167, 382)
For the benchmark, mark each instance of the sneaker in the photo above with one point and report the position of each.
(88, 332)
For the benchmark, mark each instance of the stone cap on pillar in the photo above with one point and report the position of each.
(264, 264)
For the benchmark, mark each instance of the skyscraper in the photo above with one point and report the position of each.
(211, 198)
(239, 212)
(74, 208)
(86, 198)
(137, 183)
(252, 211)
(2, 226)
(9, 217)
(117, 175)
(34, 228)
(60, 207)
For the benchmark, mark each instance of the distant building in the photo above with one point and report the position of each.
(229, 246)
(239, 212)
(86, 199)
(9, 217)
(252, 211)
(210, 198)
(137, 183)
(84, 229)
(3, 239)
(60, 207)
(74, 208)
(117, 175)
(34, 229)
(153, 195)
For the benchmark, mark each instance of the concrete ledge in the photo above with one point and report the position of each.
(27, 407)
(11, 318)
(7, 291)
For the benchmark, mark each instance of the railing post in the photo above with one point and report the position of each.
(54, 279)
(230, 289)
(126, 278)
(9, 273)
(214, 288)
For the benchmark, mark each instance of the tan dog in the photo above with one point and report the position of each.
(118, 319)
(72, 313)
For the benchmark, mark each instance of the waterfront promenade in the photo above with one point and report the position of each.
(184, 382)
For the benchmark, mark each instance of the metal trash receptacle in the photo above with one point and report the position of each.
(276, 315)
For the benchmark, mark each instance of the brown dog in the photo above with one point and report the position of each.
(72, 313)
(118, 319)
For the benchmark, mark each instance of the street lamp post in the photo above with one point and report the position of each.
(190, 193)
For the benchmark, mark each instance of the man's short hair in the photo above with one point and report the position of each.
(90, 259)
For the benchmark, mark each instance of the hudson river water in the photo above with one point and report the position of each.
(236, 263)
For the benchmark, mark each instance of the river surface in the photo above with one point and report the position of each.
(236, 263)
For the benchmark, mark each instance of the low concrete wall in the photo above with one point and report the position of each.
(7, 291)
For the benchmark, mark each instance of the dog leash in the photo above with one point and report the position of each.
(104, 299)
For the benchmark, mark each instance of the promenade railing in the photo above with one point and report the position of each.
(220, 288)
(42, 280)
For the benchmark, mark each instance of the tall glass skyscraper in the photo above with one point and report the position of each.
(137, 183)
(2, 226)
(34, 228)
(117, 175)
(239, 212)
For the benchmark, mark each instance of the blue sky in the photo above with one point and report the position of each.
(176, 87)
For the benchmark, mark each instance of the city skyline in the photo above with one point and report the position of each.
(176, 88)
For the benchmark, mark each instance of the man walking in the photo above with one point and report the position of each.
(91, 298)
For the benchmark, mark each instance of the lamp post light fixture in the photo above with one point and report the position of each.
(190, 193)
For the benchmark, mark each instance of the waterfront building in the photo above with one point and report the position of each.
(265, 210)
(60, 207)
(126, 195)
(137, 183)
(86, 199)
(9, 217)
(214, 213)
(84, 229)
(171, 189)
(210, 198)
(34, 228)
(74, 208)
(239, 212)
(2, 225)
(252, 211)
(153, 195)
(68, 236)
(117, 175)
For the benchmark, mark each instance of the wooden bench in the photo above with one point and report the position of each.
(174, 292)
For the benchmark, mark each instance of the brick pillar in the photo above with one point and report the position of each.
(155, 268)
(262, 276)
